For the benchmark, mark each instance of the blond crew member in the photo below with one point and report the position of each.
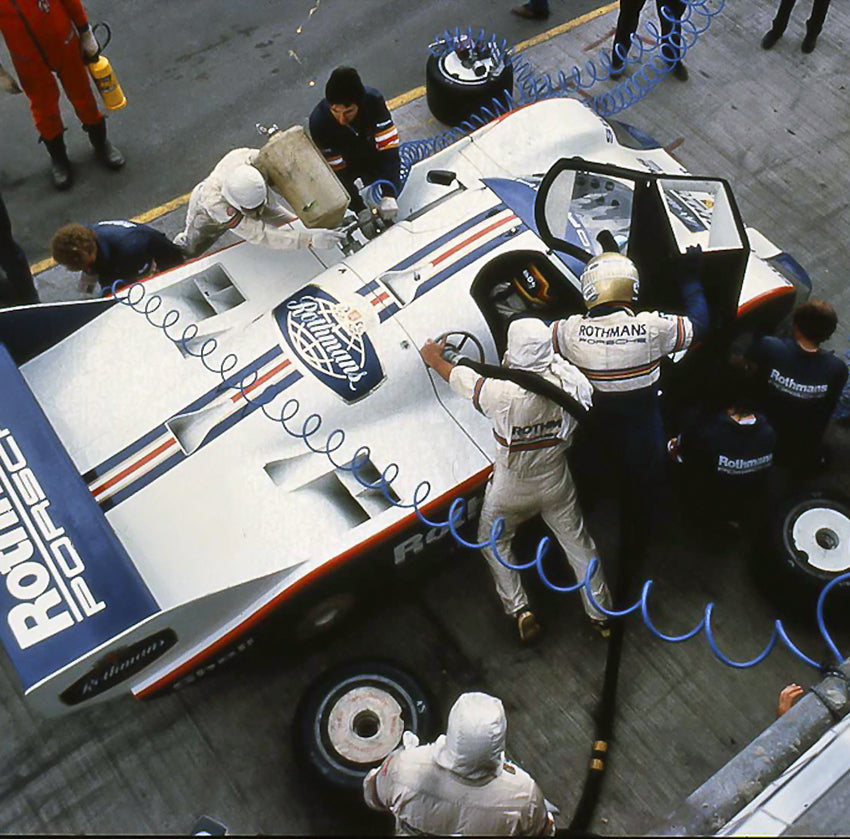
(460, 785)
(236, 197)
(530, 472)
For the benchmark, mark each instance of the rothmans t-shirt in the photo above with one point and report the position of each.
(798, 391)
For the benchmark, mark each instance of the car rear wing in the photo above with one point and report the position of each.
(68, 586)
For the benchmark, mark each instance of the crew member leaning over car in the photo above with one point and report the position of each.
(620, 352)
(530, 473)
(113, 250)
(799, 384)
(236, 197)
(353, 128)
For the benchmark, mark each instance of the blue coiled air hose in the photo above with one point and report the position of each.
(136, 297)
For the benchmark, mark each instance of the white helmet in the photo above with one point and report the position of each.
(609, 277)
(245, 188)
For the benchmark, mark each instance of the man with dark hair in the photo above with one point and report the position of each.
(814, 24)
(113, 250)
(353, 128)
(670, 16)
(799, 384)
(14, 265)
(727, 454)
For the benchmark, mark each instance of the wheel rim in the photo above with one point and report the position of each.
(365, 724)
(821, 535)
(481, 69)
(376, 695)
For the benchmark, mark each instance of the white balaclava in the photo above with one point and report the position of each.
(474, 742)
(529, 345)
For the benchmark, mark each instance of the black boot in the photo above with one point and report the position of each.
(104, 151)
(809, 41)
(60, 166)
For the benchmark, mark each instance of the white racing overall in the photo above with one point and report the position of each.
(461, 785)
(530, 473)
(209, 214)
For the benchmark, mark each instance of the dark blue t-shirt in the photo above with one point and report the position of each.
(729, 454)
(367, 148)
(798, 391)
(127, 251)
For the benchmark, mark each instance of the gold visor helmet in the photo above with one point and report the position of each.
(608, 278)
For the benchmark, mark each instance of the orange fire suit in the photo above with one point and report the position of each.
(42, 38)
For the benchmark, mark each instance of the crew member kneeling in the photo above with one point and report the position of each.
(460, 785)
(530, 473)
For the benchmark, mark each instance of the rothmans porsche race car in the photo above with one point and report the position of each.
(151, 511)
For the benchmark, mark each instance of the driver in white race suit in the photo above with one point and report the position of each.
(235, 196)
(620, 352)
(530, 473)
(460, 785)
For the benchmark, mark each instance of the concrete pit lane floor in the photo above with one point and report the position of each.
(774, 124)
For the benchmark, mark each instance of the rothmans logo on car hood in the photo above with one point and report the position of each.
(329, 337)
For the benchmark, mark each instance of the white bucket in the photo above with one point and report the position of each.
(295, 168)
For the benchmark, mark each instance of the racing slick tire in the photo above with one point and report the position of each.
(807, 545)
(454, 95)
(354, 715)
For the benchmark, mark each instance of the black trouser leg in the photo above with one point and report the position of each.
(783, 13)
(815, 22)
(627, 23)
(14, 262)
(671, 31)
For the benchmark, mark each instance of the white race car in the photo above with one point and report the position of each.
(151, 513)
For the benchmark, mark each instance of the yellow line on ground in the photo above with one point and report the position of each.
(392, 104)
(565, 27)
(404, 98)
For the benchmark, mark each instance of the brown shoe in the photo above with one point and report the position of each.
(603, 627)
(527, 626)
(528, 13)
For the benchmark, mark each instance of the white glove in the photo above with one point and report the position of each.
(8, 83)
(325, 239)
(388, 208)
(89, 43)
(409, 740)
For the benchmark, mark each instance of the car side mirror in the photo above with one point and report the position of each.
(440, 176)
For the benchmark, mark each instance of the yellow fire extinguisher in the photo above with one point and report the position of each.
(104, 77)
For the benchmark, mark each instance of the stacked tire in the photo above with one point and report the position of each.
(459, 85)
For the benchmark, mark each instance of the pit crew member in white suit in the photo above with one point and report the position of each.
(530, 473)
(460, 785)
(620, 352)
(235, 196)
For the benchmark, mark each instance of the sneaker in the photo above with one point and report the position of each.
(603, 627)
(680, 72)
(770, 39)
(527, 626)
(528, 13)
(809, 43)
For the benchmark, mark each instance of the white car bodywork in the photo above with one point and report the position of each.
(222, 514)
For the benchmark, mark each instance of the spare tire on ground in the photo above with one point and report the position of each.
(463, 80)
(354, 715)
(807, 545)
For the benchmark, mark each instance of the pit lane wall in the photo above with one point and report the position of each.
(729, 790)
